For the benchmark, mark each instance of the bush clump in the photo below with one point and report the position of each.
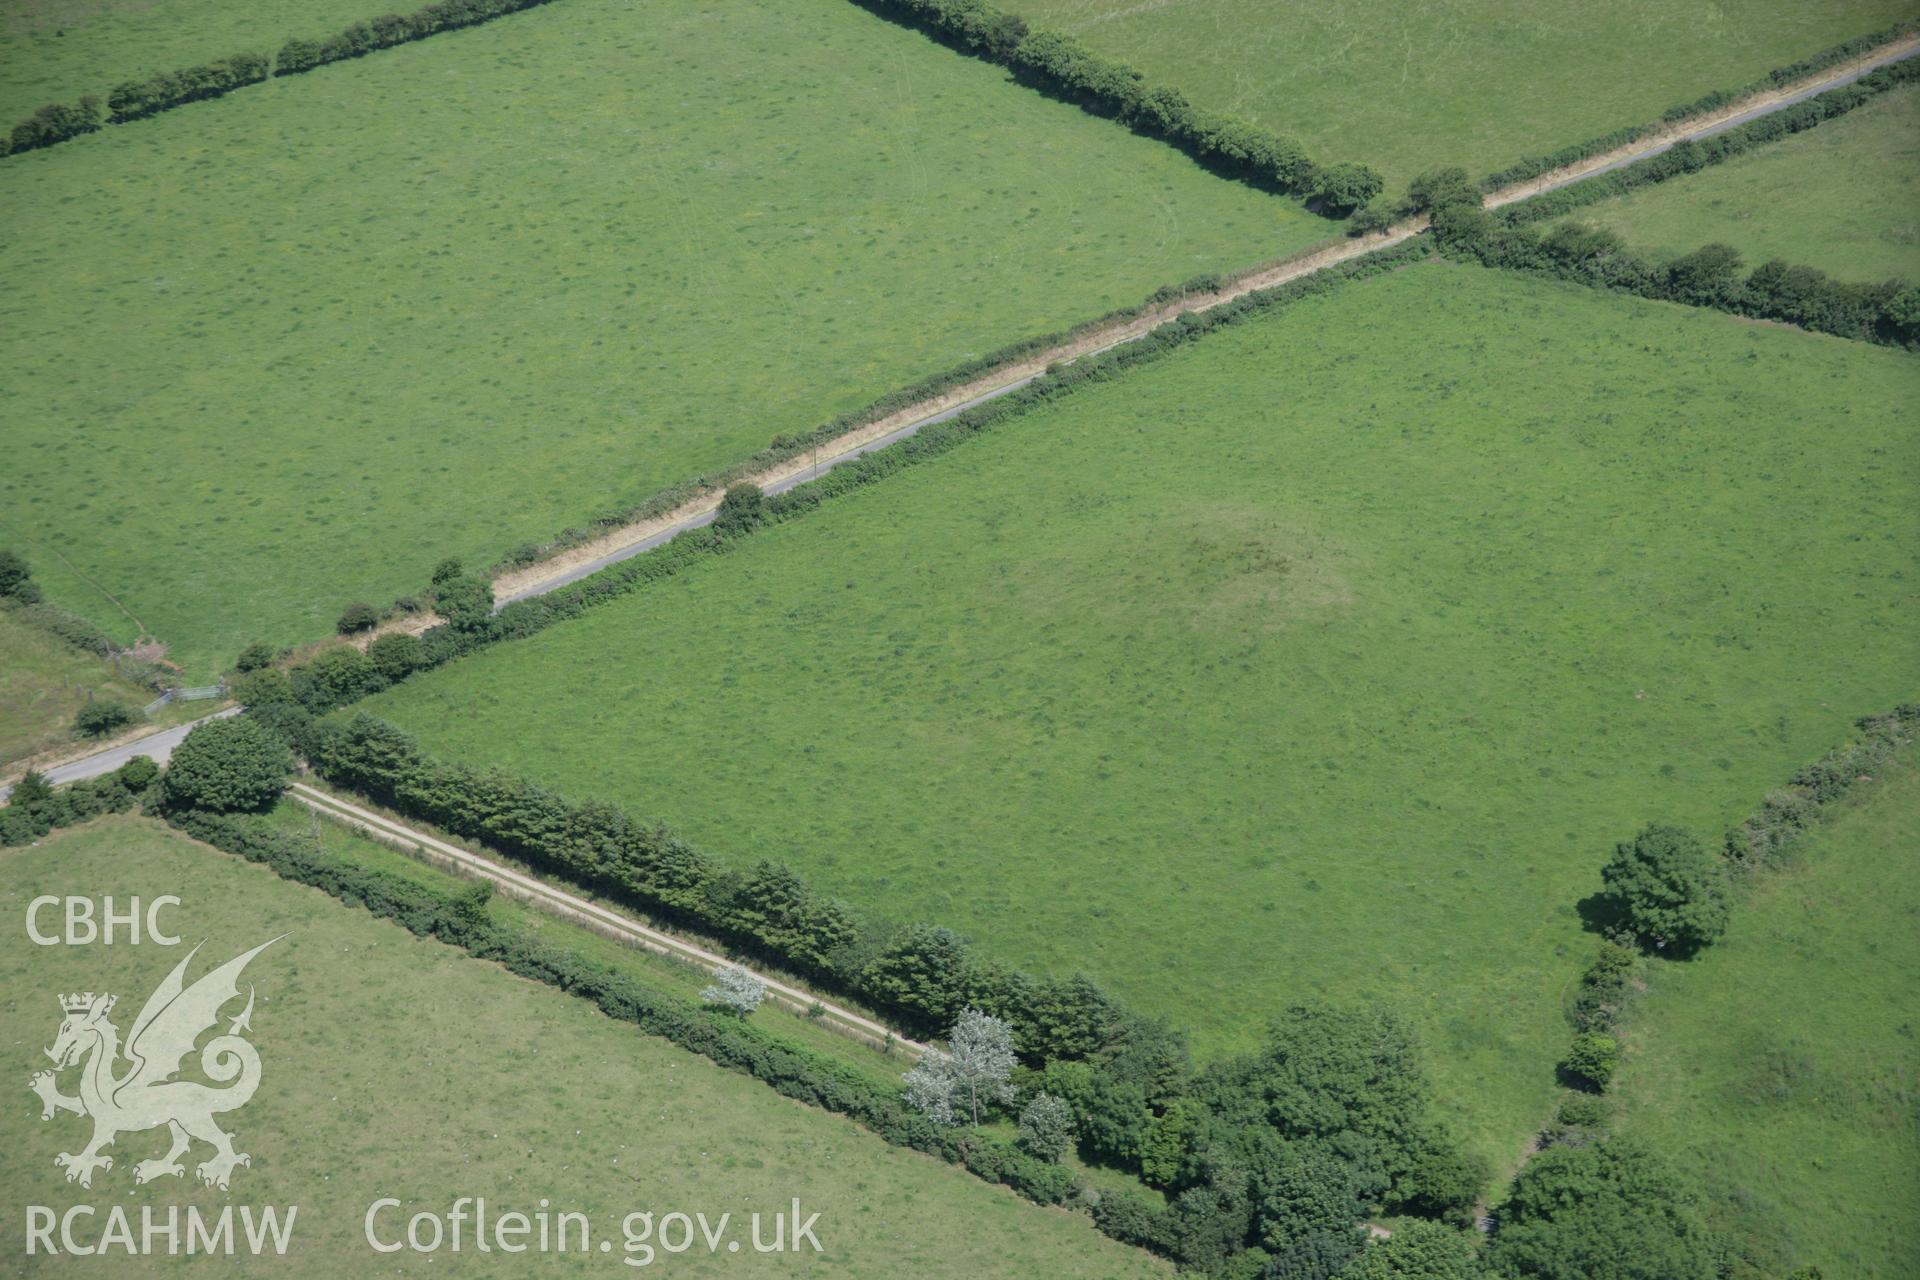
(227, 765)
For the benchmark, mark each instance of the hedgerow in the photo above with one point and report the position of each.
(1064, 68)
(1887, 313)
(1692, 155)
(137, 99)
(1533, 166)
(36, 808)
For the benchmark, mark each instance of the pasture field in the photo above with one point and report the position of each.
(281, 351)
(1407, 87)
(1843, 197)
(44, 682)
(1781, 1068)
(1327, 656)
(380, 1080)
(56, 50)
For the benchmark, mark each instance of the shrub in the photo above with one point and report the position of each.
(225, 765)
(334, 678)
(741, 509)
(1592, 1060)
(16, 580)
(255, 657)
(102, 716)
(55, 123)
(1344, 187)
(1046, 1127)
(357, 617)
(1672, 891)
(1420, 1251)
(735, 989)
(395, 656)
(1610, 1211)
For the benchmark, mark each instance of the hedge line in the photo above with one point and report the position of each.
(1713, 276)
(138, 99)
(1534, 166)
(1062, 67)
(460, 919)
(35, 808)
(1690, 155)
(1790, 812)
(340, 676)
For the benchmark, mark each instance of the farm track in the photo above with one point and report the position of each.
(634, 539)
(578, 910)
(641, 536)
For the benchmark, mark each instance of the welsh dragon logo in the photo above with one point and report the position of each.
(145, 1095)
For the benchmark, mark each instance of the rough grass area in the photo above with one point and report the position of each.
(398, 1067)
(44, 681)
(1327, 656)
(1781, 1067)
(57, 50)
(285, 350)
(1844, 197)
(1406, 85)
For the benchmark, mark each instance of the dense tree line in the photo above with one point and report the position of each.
(53, 123)
(1063, 67)
(1712, 276)
(137, 99)
(1692, 155)
(1534, 166)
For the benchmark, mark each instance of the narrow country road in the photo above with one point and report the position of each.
(632, 540)
(572, 907)
(157, 747)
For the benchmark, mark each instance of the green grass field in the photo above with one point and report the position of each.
(285, 350)
(1781, 1066)
(56, 50)
(1327, 656)
(1844, 197)
(44, 682)
(398, 1067)
(1407, 87)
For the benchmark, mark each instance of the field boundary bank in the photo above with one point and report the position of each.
(1694, 154)
(575, 909)
(794, 1071)
(789, 462)
(958, 398)
(1585, 158)
(1751, 851)
(148, 96)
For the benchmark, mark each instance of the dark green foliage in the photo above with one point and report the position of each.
(1377, 216)
(1582, 1118)
(1610, 1211)
(102, 716)
(1046, 1127)
(1708, 277)
(447, 570)
(1603, 990)
(741, 509)
(335, 677)
(360, 38)
(1591, 1060)
(1670, 889)
(55, 123)
(262, 687)
(1420, 1251)
(1064, 68)
(1341, 188)
(465, 602)
(1308, 1191)
(16, 580)
(36, 808)
(1534, 166)
(255, 657)
(1789, 812)
(461, 918)
(1319, 1255)
(394, 656)
(1438, 188)
(356, 617)
(227, 765)
(1695, 154)
(137, 99)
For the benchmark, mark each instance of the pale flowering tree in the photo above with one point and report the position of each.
(977, 1071)
(736, 989)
